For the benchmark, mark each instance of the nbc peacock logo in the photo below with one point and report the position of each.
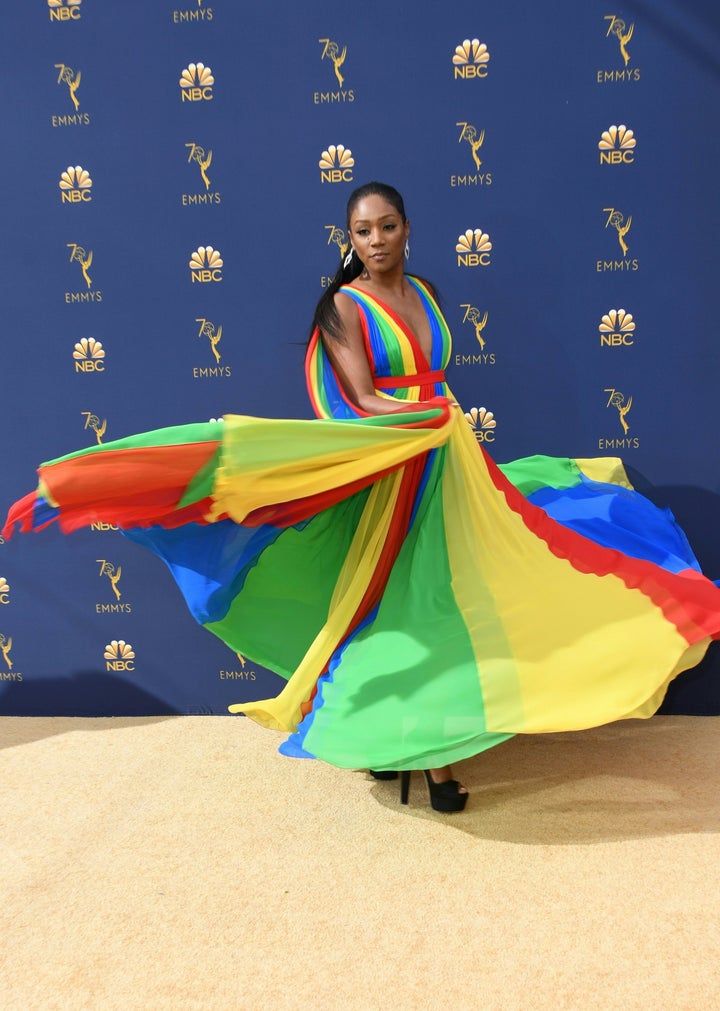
(75, 185)
(482, 422)
(336, 164)
(89, 355)
(617, 329)
(4, 591)
(617, 146)
(206, 265)
(471, 59)
(196, 83)
(473, 248)
(64, 10)
(119, 656)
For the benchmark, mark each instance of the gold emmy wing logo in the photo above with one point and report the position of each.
(78, 255)
(471, 59)
(482, 423)
(472, 315)
(119, 656)
(617, 28)
(93, 422)
(89, 355)
(473, 248)
(469, 133)
(5, 647)
(196, 83)
(616, 219)
(617, 400)
(205, 265)
(75, 185)
(68, 76)
(336, 164)
(4, 591)
(617, 146)
(64, 10)
(331, 51)
(336, 236)
(616, 328)
(213, 334)
(197, 154)
(113, 574)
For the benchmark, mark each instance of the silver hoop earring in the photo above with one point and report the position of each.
(407, 250)
(348, 259)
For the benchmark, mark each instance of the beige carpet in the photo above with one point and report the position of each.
(182, 863)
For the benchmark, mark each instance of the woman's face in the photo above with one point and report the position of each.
(378, 234)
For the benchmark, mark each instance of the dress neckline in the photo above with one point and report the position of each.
(420, 357)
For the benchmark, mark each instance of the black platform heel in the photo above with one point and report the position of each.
(383, 774)
(444, 797)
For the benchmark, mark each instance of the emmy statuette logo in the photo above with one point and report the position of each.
(4, 591)
(475, 139)
(617, 329)
(473, 248)
(93, 423)
(622, 404)
(482, 422)
(213, 334)
(64, 10)
(68, 76)
(71, 78)
(477, 320)
(84, 260)
(196, 83)
(205, 265)
(617, 146)
(89, 355)
(119, 656)
(75, 185)
(8, 672)
(470, 60)
(336, 164)
(335, 56)
(616, 220)
(114, 574)
(203, 160)
(336, 237)
(618, 31)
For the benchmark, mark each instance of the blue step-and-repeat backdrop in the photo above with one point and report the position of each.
(173, 205)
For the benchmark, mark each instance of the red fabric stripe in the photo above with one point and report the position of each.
(140, 486)
(402, 382)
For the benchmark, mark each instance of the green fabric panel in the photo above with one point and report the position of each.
(202, 484)
(285, 599)
(396, 676)
(532, 472)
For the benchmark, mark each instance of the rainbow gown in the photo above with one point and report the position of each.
(422, 603)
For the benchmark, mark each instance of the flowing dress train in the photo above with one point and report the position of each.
(422, 603)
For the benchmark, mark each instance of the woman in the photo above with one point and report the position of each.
(431, 605)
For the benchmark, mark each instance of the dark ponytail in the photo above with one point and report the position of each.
(326, 315)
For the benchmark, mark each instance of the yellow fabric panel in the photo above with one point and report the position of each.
(606, 469)
(288, 474)
(603, 660)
